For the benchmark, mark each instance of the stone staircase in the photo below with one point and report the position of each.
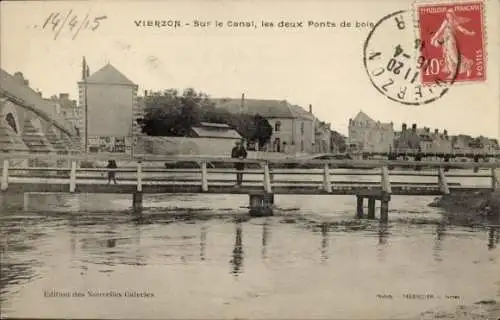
(35, 140)
(60, 146)
(10, 141)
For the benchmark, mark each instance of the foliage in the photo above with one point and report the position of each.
(169, 114)
(338, 142)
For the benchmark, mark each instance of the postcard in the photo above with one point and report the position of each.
(250, 159)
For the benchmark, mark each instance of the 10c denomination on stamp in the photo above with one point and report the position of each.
(455, 32)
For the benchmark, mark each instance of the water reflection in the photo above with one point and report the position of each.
(237, 257)
(437, 249)
(325, 241)
(265, 238)
(383, 235)
(203, 242)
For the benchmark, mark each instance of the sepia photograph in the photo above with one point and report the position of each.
(280, 159)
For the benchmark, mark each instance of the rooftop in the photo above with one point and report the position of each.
(109, 75)
(267, 108)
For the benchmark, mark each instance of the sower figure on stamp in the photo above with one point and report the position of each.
(239, 152)
(445, 37)
(111, 173)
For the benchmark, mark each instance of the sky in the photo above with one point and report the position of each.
(318, 66)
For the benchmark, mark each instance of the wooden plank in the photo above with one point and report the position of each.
(72, 177)
(139, 176)
(267, 178)
(195, 159)
(327, 186)
(443, 182)
(386, 181)
(204, 176)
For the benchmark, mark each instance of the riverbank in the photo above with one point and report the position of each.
(480, 310)
(466, 208)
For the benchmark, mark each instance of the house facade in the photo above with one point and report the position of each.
(423, 140)
(368, 135)
(293, 127)
(111, 100)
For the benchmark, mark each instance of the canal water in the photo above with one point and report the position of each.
(201, 256)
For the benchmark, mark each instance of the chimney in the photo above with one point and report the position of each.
(63, 96)
(445, 132)
(145, 93)
(403, 127)
(436, 131)
(414, 127)
(310, 108)
(26, 82)
(39, 93)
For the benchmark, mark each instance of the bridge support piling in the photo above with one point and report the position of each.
(371, 208)
(137, 202)
(359, 207)
(261, 204)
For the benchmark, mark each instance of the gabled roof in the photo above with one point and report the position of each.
(109, 75)
(213, 132)
(264, 107)
(363, 117)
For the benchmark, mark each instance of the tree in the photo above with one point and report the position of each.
(262, 130)
(170, 114)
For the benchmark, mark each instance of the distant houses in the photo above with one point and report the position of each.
(368, 135)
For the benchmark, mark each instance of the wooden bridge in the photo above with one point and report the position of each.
(148, 175)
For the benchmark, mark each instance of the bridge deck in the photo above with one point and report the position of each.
(24, 184)
(143, 178)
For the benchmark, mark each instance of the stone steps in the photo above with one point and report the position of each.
(35, 140)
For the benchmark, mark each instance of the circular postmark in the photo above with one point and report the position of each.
(395, 61)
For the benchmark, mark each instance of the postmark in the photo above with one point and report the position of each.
(446, 27)
(394, 59)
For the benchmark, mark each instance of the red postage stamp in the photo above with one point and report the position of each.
(453, 40)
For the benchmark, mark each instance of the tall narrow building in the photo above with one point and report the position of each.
(107, 104)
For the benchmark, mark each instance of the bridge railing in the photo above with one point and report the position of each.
(201, 173)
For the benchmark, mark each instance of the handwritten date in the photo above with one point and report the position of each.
(57, 22)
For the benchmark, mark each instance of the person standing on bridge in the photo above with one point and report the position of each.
(239, 152)
(111, 173)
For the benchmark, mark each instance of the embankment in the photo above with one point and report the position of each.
(470, 208)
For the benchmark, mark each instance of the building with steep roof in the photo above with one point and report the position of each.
(368, 135)
(109, 100)
(293, 127)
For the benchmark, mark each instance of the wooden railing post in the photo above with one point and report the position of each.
(5, 175)
(267, 178)
(204, 176)
(386, 180)
(327, 186)
(72, 177)
(443, 184)
(139, 176)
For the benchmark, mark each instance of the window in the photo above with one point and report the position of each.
(277, 126)
(302, 146)
(302, 127)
